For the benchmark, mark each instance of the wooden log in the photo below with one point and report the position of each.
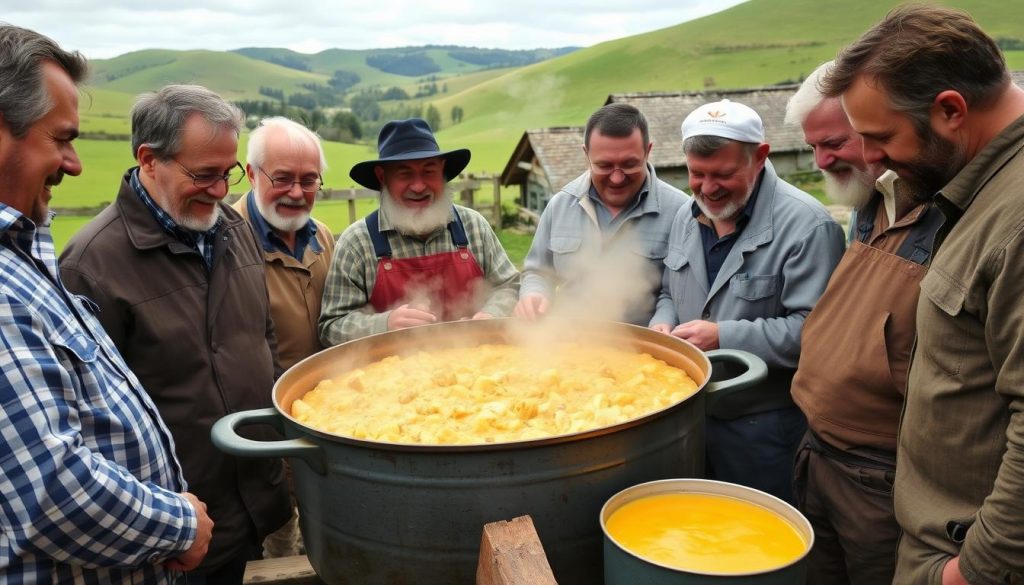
(281, 571)
(511, 554)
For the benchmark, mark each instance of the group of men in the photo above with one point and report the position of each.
(891, 414)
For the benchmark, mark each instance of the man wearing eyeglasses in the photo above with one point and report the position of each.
(601, 240)
(284, 164)
(178, 281)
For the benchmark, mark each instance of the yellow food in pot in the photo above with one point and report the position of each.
(492, 394)
(706, 533)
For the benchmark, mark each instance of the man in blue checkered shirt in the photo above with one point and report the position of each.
(92, 491)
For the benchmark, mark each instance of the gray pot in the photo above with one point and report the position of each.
(375, 512)
(622, 567)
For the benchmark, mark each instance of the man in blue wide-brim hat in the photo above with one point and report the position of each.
(418, 259)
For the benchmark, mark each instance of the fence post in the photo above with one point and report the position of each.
(496, 181)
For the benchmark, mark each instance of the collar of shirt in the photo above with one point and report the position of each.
(201, 242)
(604, 215)
(271, 242)
(960, 191)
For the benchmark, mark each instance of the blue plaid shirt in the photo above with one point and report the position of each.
(201, 242)
(87, 470)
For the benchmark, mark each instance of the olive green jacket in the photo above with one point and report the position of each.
(960, 461)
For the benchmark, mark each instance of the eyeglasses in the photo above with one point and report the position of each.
(630, 168)
(285, 183)
(234, 176)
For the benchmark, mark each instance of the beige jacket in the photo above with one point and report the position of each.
(296, 289)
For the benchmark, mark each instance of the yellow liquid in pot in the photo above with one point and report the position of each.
(706, 533)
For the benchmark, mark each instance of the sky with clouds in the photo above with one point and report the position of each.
(113, 27)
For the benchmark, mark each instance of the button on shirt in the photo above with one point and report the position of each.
(87, 467)
(717, 249)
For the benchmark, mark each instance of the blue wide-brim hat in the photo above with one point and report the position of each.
(410, 139)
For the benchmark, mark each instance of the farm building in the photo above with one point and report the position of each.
(545, 159)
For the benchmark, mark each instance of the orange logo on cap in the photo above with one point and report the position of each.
(716, 114)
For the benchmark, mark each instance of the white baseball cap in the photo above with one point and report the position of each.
(726, 119)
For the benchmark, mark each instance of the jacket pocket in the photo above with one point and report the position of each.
(651, 249)
(675, 260)
(754, 288)
(945, 343)
(565, 253)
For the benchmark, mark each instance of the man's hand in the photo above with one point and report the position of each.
(191, 558)
(703, 334)
(482, 315)
(531, 306)
(409, 316)
(662, 328)
(951, 574)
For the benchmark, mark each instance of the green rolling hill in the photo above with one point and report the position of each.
(760, 42)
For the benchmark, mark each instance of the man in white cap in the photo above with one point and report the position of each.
(747, 261)
(418, 259)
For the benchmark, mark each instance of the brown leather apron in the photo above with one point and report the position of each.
(855, 349)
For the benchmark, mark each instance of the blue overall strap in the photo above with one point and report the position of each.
(458, 232)
(381, 247)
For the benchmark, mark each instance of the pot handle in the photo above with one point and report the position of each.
(719, 393)
(226, 439)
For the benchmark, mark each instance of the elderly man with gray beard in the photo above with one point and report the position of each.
(418, 259)
(856, 344)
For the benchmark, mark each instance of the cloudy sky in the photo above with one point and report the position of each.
(103, 29)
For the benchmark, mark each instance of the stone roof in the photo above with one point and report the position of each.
(560, 154)
(665, 112)
(559, 151)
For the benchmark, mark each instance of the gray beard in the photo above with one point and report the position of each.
(417, 222)
(855, 192)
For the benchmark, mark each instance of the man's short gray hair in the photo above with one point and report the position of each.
(808, 97)
(158, 118)
(23, 95)
(705, 145)
(257, 151)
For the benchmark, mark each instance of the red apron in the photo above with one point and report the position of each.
(449, 284)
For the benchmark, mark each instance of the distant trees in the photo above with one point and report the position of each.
(342, 80)
(433, 117)
(408, 64)
(457, 114)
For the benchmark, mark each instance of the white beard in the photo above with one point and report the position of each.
(728, 212)
(854, 191)
(276, 220)
(417, 222)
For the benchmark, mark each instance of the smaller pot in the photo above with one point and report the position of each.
(623, 567)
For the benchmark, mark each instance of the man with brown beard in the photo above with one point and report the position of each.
(931, 96)
(418, 259)
(855, 349)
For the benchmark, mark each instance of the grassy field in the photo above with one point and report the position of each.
(756, 43)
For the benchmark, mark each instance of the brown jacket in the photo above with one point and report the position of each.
(202, 345)
(960, 462)
(296, 288)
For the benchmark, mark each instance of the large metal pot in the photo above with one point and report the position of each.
(376, 512)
